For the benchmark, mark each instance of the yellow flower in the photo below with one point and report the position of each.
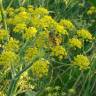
(9, 21)
(24, 15)
(7, 58)
(10, 11)
(72, 91)
(60, 29)
(30, 32)
(85, 34)
(30, 53)
(47, 22)
(19, 27)
(23, 83)
(3, 35)
(12, 45)
(30, 9)
(74, 42)
(2, 93)
(41, 11)
(40, 68)
(59, 51)
(67, 24)
(42, 40)
(92, 10)
(81, 5)
(81, 61)
(19, 18)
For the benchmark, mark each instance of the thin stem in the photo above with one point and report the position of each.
(10, 4)
(12, 87)
(78, 79)
(3, 15)
(14, 81)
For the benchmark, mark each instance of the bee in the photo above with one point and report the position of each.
(54, 38)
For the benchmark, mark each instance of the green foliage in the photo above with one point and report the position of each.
(93, 2)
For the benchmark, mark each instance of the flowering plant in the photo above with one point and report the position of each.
(44, 56)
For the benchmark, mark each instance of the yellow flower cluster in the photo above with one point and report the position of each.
(82, 62)
(41, 11)
(21, 17)
(67, 24)
(85, 34)
(19, 27)
(7, 58)
(24, 15)
(29, 33)
(42, 40)
(74, 42)
(2, 93)
(92, 10)
(18, 18)
(35, 21)
(3, 35)
(30, 9)
(81, 5)
(10, 12)
(60, 29)
(59, 51)
(12, 45)
(47, 22)
(40, 68)
(23, 83)
(30, 53)
(38, 19)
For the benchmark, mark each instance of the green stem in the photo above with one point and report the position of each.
(10, 4)
(12, 87)
(3, 15)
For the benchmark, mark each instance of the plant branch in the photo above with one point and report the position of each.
(14, 81)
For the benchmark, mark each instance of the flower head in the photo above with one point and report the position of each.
(47, 22)
(30, 53)
(74, 42)
(40, 68)
(41, 11)
(19, 27)
(7, 58)
(81, 61)
(10, 12)
(42, 40)
(60, 29)
(92, 10)
(67, 24)
(12, 45)
(59, 51)
(85, 34)
(24, 15)
(30, 32)
(2, 93)
(3, 35)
